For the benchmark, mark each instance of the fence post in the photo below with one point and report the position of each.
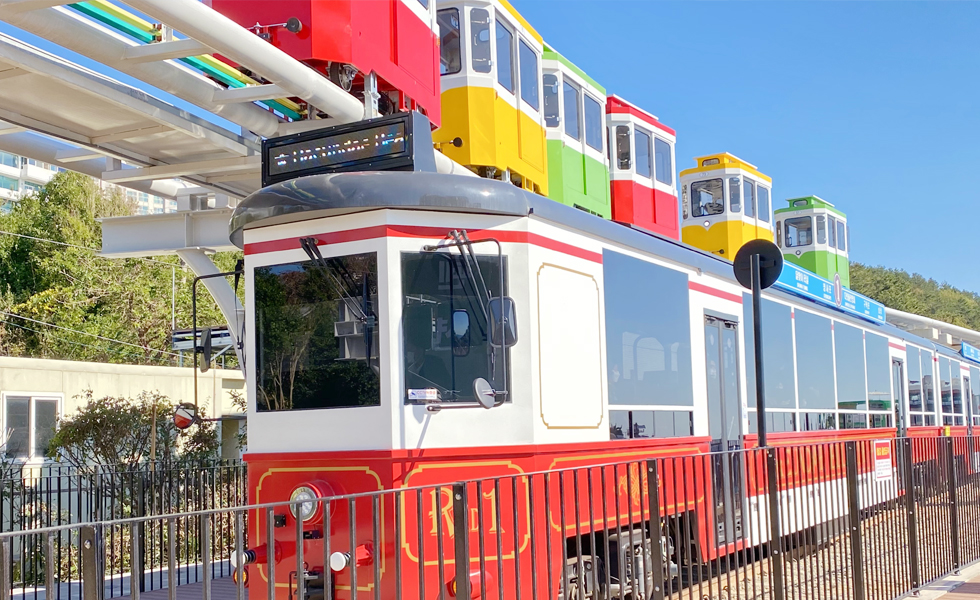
(656, 533)
(135, 561)
(854, 519)
(6, 572)
(775, 526)
(50, 559)
(461, 532)
(206, 554)
(93, 569)
(954, 539)
(140, 549)
(911, 521)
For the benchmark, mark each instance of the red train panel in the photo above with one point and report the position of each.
(645, 207)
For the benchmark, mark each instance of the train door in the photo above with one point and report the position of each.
(898, 393)
(724, 425)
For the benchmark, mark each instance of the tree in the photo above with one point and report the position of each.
(68, 285)
(915, 294)
(118, 431)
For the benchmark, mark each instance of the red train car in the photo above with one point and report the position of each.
(641, 169)
(347, 39)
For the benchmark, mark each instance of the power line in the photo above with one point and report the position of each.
(120, 350)
(88, 334)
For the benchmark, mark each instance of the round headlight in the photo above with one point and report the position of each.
(304, 499)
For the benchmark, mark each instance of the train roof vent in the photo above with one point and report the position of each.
(802, 202)
(709, 161)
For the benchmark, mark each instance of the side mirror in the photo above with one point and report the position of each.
(205, 349)
(184, 416)
(461, 333)
(503, 322)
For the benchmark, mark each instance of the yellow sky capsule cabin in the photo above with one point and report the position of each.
(725, 202)
(492, 108)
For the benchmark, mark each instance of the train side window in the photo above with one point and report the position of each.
(529, 76)
(665, 166)
(593, 123)
(552, 108)
(450, 60)
(735, 194)
(819, 421)
(945, 387)
(928, 391)
(707, 198)
(832, 232)
(814, 361)
(643, 165)
(623, 160)
(763, 204)
(634, 424)
(505, 57)
(821, 229)
(853, 421)
(841, 236)
(879, 373)
(974, 394)
(570, 95)
(851, 381)
(914, 377)
(748, 197)
(480, 40)
(799, 232)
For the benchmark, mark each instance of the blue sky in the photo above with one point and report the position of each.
(868, 105)
(872, 105)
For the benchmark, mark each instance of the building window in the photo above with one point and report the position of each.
(30, 421)
(505, 57)
(799, 231)
(8, 183)
(665, 166)
(9, 160)
(529, 76)
(450, 60)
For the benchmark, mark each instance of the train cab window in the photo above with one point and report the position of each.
(821, 229)
(570, 95)
(841, 236)
(851, 382)
(449, 52)
(735, 194)
(446, 344)
(665, 166)
(623, 149)
(480, 40)
(317, 334)
(529, 76)
(832, 232)
(799, 232)
(505, 57)
(644, 167)
(763, 204)
(593, 123)
(707, 198)
(552, 108)
(748, 197)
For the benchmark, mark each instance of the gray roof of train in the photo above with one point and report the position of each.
(318, 196)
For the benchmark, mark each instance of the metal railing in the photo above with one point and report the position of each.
(868, 520)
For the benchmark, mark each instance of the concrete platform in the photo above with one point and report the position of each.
(221, 589)
(963, 586)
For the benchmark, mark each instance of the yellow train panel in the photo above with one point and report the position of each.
(724, 238)
(508, 140)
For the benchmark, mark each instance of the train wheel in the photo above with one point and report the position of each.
(342, 75)
(590, 570)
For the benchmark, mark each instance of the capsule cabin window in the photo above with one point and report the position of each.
(552, 108)
(529, 76)
(779, 234)
(707, 198)
(643, 165)
(821, 230)
(832, 232)
(505, 57)
(449, 52)
(799, 232)
(623, 159)
(841, 236)
(665, 166)
(593, 123)
(748, 197)
(735, 194)
(763, 204)
(570, 95)
(480, 40)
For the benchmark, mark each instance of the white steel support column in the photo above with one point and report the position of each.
(232, 310)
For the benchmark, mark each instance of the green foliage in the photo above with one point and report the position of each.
(75, 288)
(915, 294)
(118, 431)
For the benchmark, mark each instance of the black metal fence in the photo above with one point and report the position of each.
(56, 497)
(868, 520)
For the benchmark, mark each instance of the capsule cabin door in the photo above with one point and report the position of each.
(724, 426)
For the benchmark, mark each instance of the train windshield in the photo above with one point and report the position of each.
(444, 324)
(316, 330)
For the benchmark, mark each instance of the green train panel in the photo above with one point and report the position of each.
(574, 114)
(815, 235)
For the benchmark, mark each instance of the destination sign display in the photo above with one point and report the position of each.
(801, 282)
(971, 352)
(341, 149)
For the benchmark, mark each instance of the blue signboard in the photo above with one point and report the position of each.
(801, 282)
(971, 352)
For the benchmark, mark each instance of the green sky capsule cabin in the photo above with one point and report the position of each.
(574, 113)
(815, 235)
